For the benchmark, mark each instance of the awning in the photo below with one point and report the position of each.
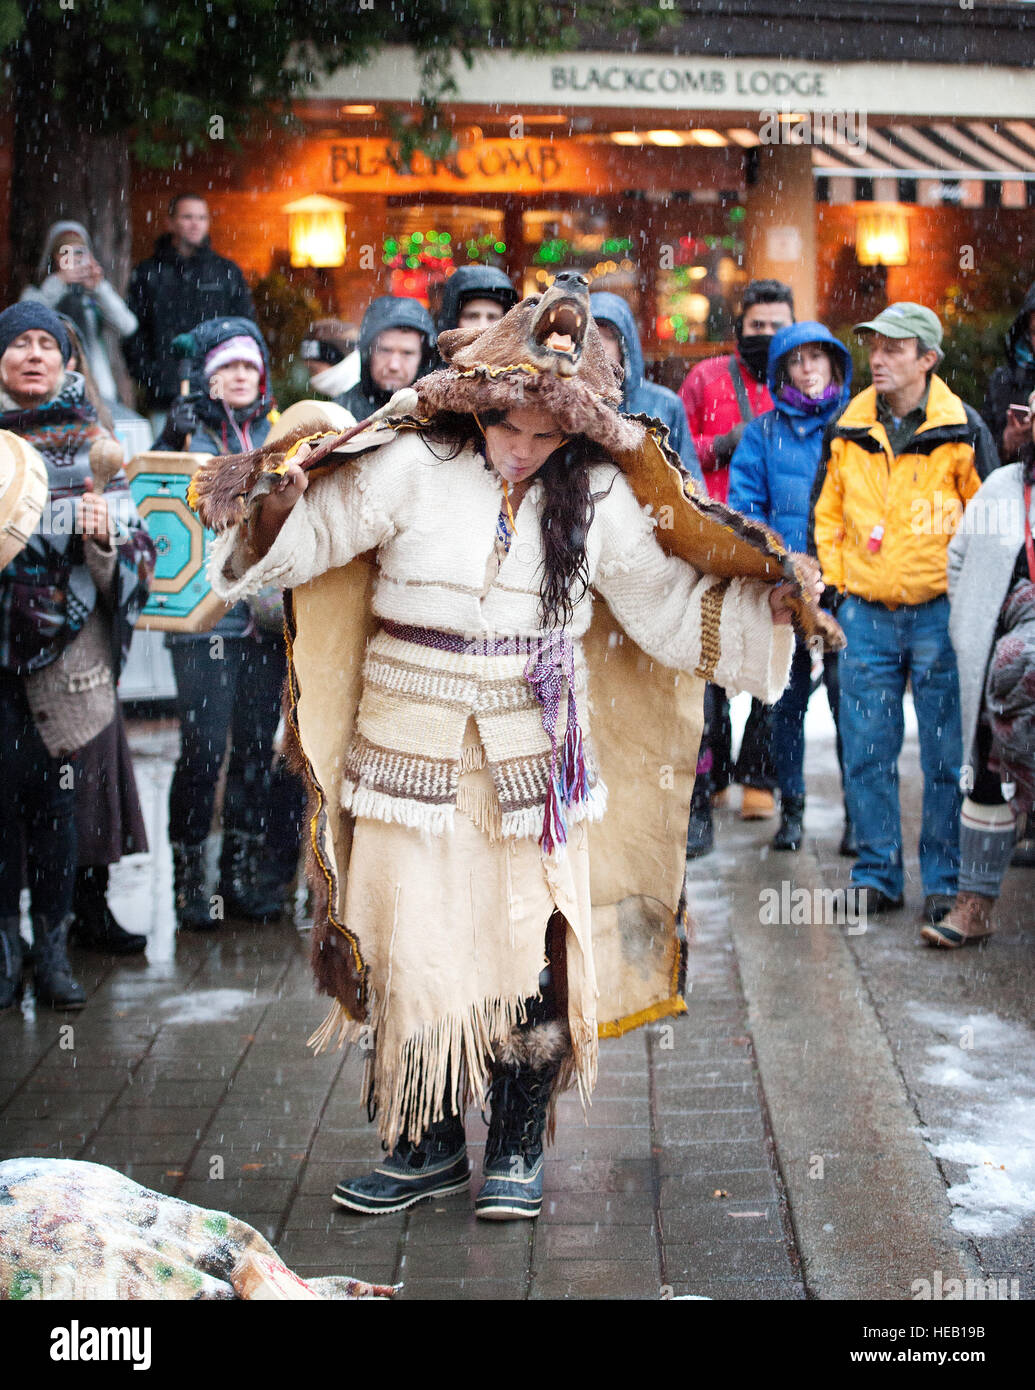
(972, 163)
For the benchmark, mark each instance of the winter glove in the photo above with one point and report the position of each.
(725, 444)
(832, 599)
(181, 421)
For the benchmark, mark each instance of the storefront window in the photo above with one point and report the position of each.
(590, 239)
(427, 243)
(699, 283)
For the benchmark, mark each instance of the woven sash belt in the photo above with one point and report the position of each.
(551, 664)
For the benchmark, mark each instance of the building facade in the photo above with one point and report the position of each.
(857, 151)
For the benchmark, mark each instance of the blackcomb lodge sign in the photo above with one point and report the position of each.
(760, 83)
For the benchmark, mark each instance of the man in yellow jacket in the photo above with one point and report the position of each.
(901, 468)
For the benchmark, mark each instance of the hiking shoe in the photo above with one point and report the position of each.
(757, 804)
(937, 906)
(969, 920)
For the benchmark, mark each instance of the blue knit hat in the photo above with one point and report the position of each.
(29, 313)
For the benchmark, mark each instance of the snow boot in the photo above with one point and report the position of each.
(969, 920)
(55, 986)
(792, 812)
(193, 909)
(12, 954)
(520, 1097)
(249, 886)
(700, 833)
(433, 1168)
(94, 927)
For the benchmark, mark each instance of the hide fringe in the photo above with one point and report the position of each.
(483, 806)
(449, 1063)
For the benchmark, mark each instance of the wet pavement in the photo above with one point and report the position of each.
(696, 1173)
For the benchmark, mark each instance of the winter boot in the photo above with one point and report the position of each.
(700, 834)
(519, 1097)
(94, 927)
(969, 920)
(849, 846)
(55, 985)
(12, 953)
(433, 1168)
(246, 882)
(757, 804)
(789, 835)
(193, 909)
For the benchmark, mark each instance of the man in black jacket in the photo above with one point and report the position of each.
(396, 346)
(1012, 384)
(474, 297)
(184, 283)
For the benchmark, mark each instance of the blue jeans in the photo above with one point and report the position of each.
(885, 649)
(788, 720)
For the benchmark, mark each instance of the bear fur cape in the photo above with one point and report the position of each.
(646, 719)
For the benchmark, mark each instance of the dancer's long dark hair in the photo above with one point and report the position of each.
(568, 507)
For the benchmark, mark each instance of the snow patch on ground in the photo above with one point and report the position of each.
(993, 1135)
(207, 1005)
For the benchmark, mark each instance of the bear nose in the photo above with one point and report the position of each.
(571, 280)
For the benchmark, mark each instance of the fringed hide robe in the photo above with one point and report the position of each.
(447, 892)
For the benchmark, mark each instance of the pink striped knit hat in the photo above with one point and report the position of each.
(239, 349)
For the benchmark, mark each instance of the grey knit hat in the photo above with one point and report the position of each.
(26, 314)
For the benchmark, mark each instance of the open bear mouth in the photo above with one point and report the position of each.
(560, 325)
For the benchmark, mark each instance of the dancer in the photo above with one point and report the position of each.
(456, 821)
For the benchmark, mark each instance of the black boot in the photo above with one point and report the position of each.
(849, 845)
(94, 927)
(792, 813)
(55, 985)
(433, 1168)
(700, 836)
(519, 1097)
(12, 954)
(193, 910)
(246, 881)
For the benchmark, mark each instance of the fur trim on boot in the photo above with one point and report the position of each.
(536, 1047)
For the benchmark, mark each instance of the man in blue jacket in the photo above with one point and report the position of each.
(771, 477)
(617, 327)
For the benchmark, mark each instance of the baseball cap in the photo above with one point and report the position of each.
(906, 320)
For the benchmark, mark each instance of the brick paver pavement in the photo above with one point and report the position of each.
(188, 1071)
